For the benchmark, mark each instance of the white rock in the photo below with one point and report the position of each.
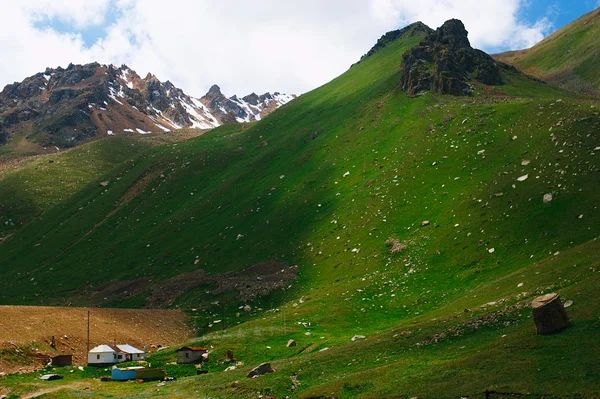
(357, 337)
(523, 178)
(491, 250)
(547, 198)
(346, 174)
(568, 303)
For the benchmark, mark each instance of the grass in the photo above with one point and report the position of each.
(44, 181)
(346, 167)
(567, 58)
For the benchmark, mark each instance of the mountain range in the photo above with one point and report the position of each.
(62, 108)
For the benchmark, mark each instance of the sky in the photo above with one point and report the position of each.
(249, 46)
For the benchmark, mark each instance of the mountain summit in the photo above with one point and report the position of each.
(65, 107)
(445, 62)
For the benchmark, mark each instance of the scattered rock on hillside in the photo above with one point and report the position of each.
(547, 198)
(425, 223)
(291, 343)
(104, 183)
(568, 303)
(395, 245)
(262, 369)
(357, 337)
(445, 63)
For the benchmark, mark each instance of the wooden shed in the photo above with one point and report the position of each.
(190, 354)
(62, 360)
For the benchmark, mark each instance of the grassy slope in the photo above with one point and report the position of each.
(41, 182)
(211, 193)
(568, 57)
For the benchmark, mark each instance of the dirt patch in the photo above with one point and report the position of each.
(28, 331)
(164, 293)
(258, 280)
(137, 187)
(74, 385)
(114, 291)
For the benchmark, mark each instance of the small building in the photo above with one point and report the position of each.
(112, 354)
(131, 353)
(137, 373)
(61, 360)
(125, 374)
(190, 354)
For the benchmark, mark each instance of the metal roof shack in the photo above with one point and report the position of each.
(111, 354)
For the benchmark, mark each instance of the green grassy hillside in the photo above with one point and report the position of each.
(339, 182)
(39, 183)
(568, 58)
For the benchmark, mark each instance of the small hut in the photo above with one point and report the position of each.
(190, 354)
(62, 360)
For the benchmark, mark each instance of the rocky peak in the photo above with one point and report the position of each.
(214, 91)
(452, 33)
(251, 99)
(445, 63)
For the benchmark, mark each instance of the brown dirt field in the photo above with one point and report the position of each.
(28, 329)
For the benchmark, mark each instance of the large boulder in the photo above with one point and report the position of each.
(549, 314)
(262, 369)
(444, 62)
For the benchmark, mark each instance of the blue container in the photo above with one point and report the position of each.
(123, 374)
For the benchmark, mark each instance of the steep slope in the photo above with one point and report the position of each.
(65, 107)
(425, 224)
(568, 58)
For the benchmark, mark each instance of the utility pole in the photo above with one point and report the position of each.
(88, 333)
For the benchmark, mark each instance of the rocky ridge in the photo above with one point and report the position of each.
(65, 107)
(444, 62)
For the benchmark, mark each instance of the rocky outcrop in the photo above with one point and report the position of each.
(65, 107)
(444, 62)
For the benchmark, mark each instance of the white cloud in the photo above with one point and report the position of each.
(491, 24)
(265, 45)
(81, 13)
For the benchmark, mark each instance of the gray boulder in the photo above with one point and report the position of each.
(262, 369)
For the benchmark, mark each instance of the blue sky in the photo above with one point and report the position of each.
(559, 12)
(264, 45)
